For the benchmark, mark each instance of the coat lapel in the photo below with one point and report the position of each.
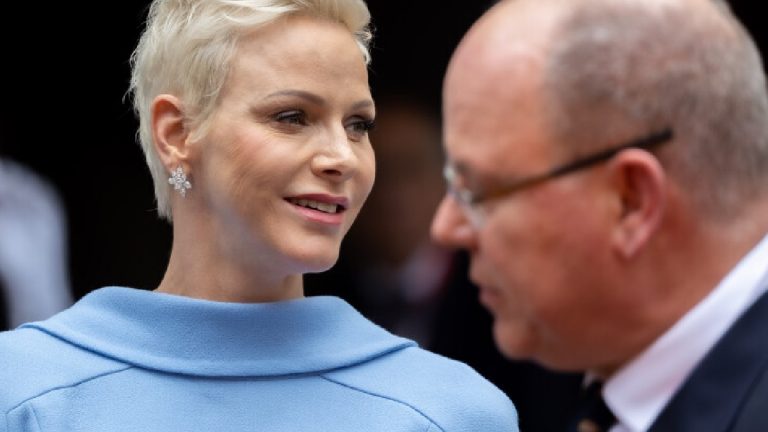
(713, 396)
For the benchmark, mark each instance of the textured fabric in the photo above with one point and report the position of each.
(129, 360)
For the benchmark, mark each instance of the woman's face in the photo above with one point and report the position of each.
(287, 163)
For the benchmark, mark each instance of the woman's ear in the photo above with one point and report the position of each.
(169, 131)
(640, 184)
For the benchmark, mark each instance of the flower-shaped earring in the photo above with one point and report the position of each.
(179, 181)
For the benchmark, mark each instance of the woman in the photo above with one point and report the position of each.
(253, 118)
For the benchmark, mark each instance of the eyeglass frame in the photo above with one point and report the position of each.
(469, 200)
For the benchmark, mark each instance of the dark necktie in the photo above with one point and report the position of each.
(592, 414)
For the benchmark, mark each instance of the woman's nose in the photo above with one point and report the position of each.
(336, 158)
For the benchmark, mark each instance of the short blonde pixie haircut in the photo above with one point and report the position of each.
(186, 50)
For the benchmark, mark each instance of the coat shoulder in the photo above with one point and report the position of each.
(451, 394)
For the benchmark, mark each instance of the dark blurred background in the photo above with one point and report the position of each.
(64, 115)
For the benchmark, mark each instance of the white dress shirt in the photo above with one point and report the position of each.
(639, 391)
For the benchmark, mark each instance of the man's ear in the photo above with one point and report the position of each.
(640, 184)
(169, 131)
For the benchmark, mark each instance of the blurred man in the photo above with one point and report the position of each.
(607, 163)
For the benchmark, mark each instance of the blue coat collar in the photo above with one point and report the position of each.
(198, 337)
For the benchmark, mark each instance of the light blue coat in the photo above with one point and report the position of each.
(123, 359)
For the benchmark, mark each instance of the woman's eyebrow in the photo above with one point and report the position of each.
(303, 94)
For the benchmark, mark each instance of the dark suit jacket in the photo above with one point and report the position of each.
(728, 391)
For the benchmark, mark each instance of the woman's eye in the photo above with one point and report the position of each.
(291, 117)
(359, 127)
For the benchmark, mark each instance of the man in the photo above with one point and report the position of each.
(608, 174)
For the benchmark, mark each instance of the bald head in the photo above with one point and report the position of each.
(507, 43)
(509, 35)
(607, 69)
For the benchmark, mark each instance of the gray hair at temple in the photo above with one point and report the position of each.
(186, 50)
(620, 67)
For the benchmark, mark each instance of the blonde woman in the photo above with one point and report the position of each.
(253, 117)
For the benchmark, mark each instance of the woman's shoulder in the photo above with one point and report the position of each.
(449, 393)
(34, 363)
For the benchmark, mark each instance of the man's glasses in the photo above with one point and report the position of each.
(471, 201)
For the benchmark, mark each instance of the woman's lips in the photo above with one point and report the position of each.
(325, 209)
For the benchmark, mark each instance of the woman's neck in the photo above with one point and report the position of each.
(205, 265)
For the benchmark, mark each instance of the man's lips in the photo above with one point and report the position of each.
(487, 294)
(488, 297)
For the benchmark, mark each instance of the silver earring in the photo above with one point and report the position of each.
(179, 181)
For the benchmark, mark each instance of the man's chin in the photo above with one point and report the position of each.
(513, 342)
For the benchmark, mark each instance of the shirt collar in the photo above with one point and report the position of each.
(639, 391)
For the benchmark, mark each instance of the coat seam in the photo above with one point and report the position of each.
(34, 416)
(369, 393)
(75, 384)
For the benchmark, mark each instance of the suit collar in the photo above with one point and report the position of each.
(638, 392)
(714, 393)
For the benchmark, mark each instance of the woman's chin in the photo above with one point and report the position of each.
(318, 263)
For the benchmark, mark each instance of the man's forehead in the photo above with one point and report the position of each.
(487, 82)
(493, 98)
(497, 132)
(481, 58)
(489, 113)
(498, 151)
